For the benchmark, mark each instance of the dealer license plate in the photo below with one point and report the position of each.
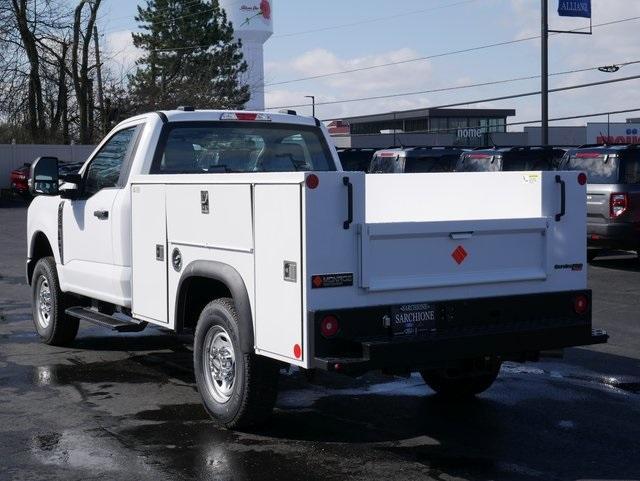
(413, 319)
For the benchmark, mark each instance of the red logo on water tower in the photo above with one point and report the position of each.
(265, 9)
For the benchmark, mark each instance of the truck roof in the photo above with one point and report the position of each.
(215, 115)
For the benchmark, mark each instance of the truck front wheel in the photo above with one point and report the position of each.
(237, 389)
(463, 382)
(52, 324)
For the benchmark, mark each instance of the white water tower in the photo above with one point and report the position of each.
(253, 24)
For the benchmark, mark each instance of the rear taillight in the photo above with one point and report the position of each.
(618, 204)
(329, 326)
(580, 304)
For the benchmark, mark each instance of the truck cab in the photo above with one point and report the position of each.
(242, 229)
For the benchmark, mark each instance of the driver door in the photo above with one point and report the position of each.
(87, 228)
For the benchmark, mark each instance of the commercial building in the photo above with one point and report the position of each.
(467, 128)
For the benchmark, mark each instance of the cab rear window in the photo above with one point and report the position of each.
(218, 147)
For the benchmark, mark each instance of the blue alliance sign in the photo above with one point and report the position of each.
(574, 8)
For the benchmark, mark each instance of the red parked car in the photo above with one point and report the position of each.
(20, 180)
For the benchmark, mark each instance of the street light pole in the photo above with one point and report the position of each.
(313, 103)
(544, 74)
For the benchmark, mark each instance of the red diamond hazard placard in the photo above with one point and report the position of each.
(459, 254)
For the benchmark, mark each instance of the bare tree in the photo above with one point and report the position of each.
(83, 29)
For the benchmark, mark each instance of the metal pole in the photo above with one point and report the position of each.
(608, 128)
(103, 119)
(544, 75)
(313, 103)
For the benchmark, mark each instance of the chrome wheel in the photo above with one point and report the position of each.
(219, 364)
(44, 302)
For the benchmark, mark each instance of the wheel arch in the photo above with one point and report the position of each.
(202, 281)
(39, 247)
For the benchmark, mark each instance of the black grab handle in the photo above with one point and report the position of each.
(347, 223)
(563, 198)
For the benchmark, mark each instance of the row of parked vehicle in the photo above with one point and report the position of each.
(613, 173)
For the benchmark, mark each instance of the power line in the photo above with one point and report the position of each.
(448, 89)
(529, 94)
(438, 55)
(372, 20)
(574, 117)
(165, 12)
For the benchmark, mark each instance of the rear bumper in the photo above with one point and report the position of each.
(431, 353)
(622, 235)
(512, 328)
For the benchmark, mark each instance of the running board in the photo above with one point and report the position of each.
(104, 320)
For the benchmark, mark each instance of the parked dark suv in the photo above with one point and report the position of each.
(510, 159)
(415, 159)
(613, 195)
(355, 159)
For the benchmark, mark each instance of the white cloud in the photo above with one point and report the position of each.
(366, 83)
(119, 53)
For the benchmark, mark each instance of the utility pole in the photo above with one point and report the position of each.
(103, 119)
(544, 74)
(313, 103)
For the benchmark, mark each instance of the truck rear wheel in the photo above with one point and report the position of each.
(237, 389)
(462, 382)
(49, 303)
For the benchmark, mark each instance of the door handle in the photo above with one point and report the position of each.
(101, 214)
(349, 185)
(563, 198)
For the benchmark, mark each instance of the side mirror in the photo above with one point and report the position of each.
(43, 179)
(71, 186)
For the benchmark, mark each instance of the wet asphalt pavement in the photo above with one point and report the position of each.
(125, 406)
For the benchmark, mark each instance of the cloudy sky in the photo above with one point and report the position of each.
(318, 37)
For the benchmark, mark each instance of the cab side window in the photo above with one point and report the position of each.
(104, 170)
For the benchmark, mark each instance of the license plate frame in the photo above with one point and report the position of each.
(414, 319)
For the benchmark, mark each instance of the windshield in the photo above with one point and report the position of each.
(214, 147)
(479, 163)
(523, 161)
(384, 164)
(600, 168)
(441, 163)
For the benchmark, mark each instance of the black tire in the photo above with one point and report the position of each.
(464, 382)
(52, 324)
(249, 399)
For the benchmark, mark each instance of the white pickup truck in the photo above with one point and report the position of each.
(241, 228)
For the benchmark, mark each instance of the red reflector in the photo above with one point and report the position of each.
(317, 281)
(246, 116)
(312, 181)
(580, 304)
(595, 237)
(329, 326)
(588, 155)
(582, 178)
(479, 156)
(297, 351)
(388, 154)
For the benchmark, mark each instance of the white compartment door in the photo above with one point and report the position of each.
(278, 242)
(149, 253)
